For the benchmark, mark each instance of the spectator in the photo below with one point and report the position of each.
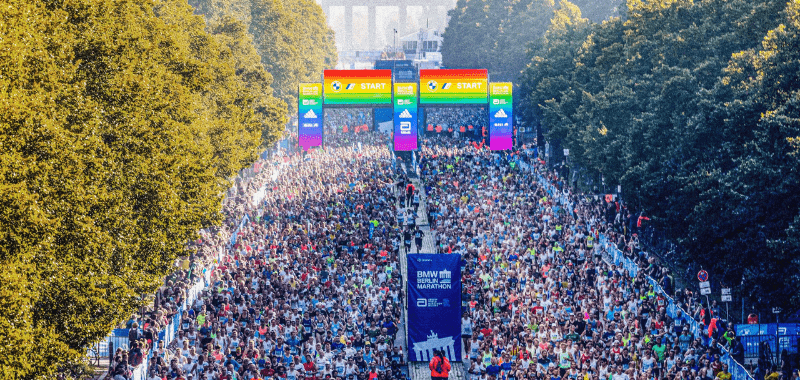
(737, 350)
(439, 366)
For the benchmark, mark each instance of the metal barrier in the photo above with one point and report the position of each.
(738, 372)
(119, 337)
(757, 335)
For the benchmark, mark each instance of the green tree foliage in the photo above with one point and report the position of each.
(294, 41)
(692, 107)
(599, 10)
(270, 112)
(215, 11)
(550, 65)
(291, 37)
(120, 123)
(494, 34)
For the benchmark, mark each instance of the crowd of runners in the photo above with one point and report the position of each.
(337, 119)
(312, 287)
(539, 302)
(456, 117)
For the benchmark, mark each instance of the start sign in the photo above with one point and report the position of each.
(702, 276)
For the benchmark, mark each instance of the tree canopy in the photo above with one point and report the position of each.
(494, 34)
(692, 107)
(291, 37)
(120, 125)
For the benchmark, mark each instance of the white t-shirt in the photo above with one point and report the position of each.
(620, 376)
(340, 364)
(648, 363)
(466, 326)
(323, 364)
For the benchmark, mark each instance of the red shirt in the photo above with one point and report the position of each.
(267, 372)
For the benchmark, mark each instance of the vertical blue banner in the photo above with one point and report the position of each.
(434, 306)
(405, 116)
(500, 116)
(309, 118)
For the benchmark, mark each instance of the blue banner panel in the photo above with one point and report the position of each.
(405, 116)
(434, 306)
(309, 117)
(500, 116)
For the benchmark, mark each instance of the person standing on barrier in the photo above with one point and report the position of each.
(439, 366)
(737, 349)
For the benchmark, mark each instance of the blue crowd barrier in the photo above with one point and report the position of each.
(738, 372)
(119, 337)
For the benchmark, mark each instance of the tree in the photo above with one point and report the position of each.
(494, 34)
(468, 38)
(598, 11)
(290, 36)
(691, 107)
(758, 97)
(548, 77)
(120, 124)
(269, 111)
(294, 42)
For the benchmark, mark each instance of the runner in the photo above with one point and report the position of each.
(418, 236)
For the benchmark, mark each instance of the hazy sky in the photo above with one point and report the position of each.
(386, 21)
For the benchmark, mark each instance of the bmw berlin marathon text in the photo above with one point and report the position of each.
(431, 279)
(434, 280)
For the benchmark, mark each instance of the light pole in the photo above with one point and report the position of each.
(395, 45)
(777, 338)
(741, 285)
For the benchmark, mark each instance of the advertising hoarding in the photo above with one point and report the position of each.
(453, 86)
(358, 87)
(309, 115)
(501, 122)
(434, 306)
(405, 116)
